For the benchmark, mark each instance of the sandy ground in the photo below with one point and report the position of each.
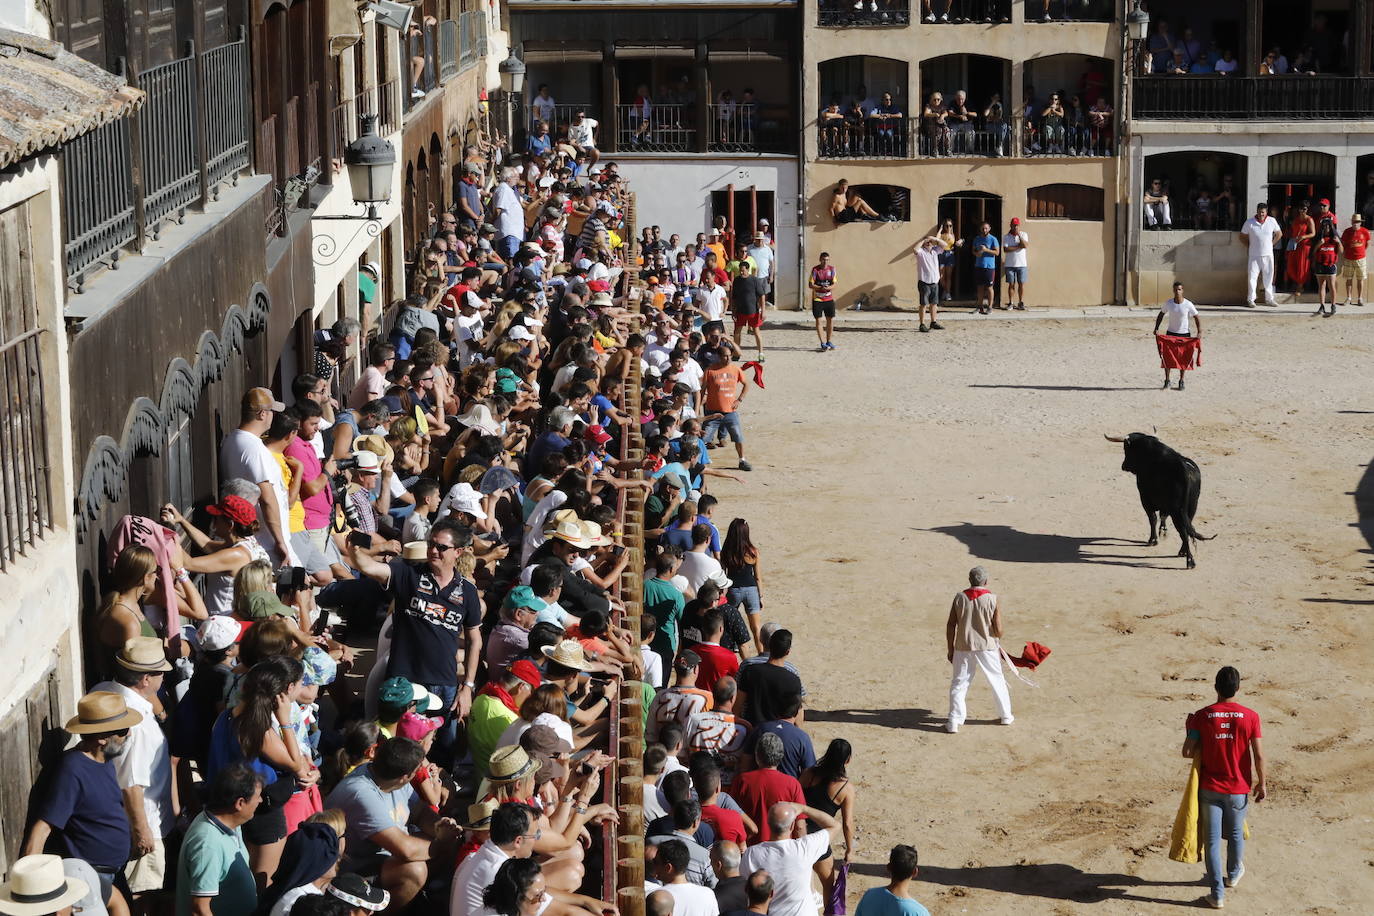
(886, 469)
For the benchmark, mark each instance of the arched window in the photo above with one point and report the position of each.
(1065, 201)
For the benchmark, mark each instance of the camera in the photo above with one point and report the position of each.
(346, 464)
(291, 578)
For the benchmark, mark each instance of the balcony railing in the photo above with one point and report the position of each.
(844, 14)
(381, 103)
(191, 135)
(1070, 10)
(470, 47)
(448, 49)
(660, 129)
(26, 496)
(910, 138)
(961, 11)
(740, 127)
(1209, 98)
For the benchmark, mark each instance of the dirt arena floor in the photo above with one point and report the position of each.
(886, 469)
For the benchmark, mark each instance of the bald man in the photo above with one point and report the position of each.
(730, 895)
(659, 903)
(789, 860)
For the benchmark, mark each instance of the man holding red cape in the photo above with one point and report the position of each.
(1180, 346)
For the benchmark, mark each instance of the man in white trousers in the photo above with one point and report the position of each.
(973, 635)
(1261, 232)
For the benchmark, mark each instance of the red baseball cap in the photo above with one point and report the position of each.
(1015, 221)
(235, 508)
(527, 672)
(1324, 202)
(595, 433)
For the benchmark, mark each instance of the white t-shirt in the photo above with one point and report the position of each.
(473, 877)
(700, 567)
(244, 455)
(1015, 258)
(584, 134)
(693, 900)
(1261, 236)
(543, 107)
(1180, 315)
(145, 762)
(789, 862)
(692, 374)
(764, 257)
(511, 219)
(712, 302)
(288, 899)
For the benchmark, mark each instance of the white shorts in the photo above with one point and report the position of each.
(148, 873)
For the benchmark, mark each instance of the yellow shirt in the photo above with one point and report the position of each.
(296, 522)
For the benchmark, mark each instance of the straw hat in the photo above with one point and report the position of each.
(479, 814)
(592, 532)
(571, 531)
(415, 551)
(143, 653)
(511, 764)
(375, 444)
(38, 886)
(100, 712)
(567, 653)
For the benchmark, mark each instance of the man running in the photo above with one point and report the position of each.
(822, 286)
(1178, 344)
(747, 303)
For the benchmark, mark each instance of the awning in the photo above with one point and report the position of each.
(49, 96)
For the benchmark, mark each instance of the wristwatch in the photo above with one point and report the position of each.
(469, 685)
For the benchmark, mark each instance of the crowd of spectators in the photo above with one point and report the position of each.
(1174, 49)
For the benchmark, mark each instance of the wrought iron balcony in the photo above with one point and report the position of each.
(1253, 98)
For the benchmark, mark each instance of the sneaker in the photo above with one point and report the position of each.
(1240, 873)
(1020, 306)
(822, 349)
(830, 344)
(1250, 305)
(936, 326)
(951, 728)
(930, 17)
(946, 297)
(1272, 303)
(417, 93)
(1213, 901)
(745, 466)
(1180, 383)
(873, 6)
(1359, 303)
(1321, 310)
(1045, 18)
(1165, 386)
(944, 17)
(1006, 720)
(923, 329)
(1331, 311)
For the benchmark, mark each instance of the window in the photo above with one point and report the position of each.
(25, 485)
(1064, 201)
(888, 200)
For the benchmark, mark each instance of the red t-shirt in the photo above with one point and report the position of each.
(722, 387)
(758, 790)
(1355, 240)
(1224, 732)
(716, 662)
(728, 825)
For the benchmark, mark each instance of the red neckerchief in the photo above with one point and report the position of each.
(973, 594)
(496, 690)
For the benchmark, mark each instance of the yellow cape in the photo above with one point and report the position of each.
(1187, 843)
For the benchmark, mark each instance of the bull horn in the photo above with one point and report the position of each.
(1114, 438)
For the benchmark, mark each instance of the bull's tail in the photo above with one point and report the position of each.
(1192, 532)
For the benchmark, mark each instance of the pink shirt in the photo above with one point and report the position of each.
(318, 508)
(371, 385)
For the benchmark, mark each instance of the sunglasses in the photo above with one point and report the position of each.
(442, 548)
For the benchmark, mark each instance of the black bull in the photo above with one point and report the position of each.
(1169, 486)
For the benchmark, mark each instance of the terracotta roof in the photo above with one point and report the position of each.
(49, 96)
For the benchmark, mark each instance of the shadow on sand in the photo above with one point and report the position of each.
(1050, 881)
(1004, 544)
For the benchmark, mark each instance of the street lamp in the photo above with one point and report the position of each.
(370, 159)
(512, 71)
(1137, 23)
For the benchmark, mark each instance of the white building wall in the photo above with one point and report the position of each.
(675, 195)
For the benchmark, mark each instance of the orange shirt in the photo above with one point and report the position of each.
(722, 386)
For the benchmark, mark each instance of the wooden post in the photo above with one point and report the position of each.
(631, 820)
(610, 95)
(1254, 21)
(701, 84)
(630, 901)
(631, 766)
(631, 727)
(631, 746)
(630, 869)
(632, 790)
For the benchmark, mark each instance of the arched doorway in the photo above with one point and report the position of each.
(419, 217)
(969, 210)
(436, 178)
(1297, 177)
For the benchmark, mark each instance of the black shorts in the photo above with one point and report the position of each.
(822, 309)
(847, 215)
(985, 276)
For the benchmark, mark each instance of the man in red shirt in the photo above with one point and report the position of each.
(725, 387)
(716, 660)
(727, 825)
(1354, 241)
(1225, 739)
(758, 790)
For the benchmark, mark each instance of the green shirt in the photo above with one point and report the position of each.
(487, 720)
(664, 601)
(214, 863)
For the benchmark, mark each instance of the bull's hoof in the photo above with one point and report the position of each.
(1152, 542)
(1192, 563)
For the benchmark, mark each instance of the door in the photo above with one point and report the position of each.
(969, 211)
(742, 210)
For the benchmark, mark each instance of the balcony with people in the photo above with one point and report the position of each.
(1046, 11)
(1271, 60)
(862, 123)
(965, 110)
(1067, 107)
(863, 13)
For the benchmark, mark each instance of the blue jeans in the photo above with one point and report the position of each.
(1222, 815)
(728, 422)
(447, 735)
